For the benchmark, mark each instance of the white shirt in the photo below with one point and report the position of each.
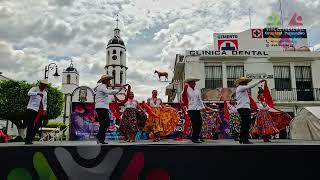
(155, 102)
(194, 98)
(102, 96)
(243, 96)
(35, 99)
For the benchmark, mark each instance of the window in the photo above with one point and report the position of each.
(213, 77)
(121, 57)
(282, 78)
(114, 77)
(234, 73)
(304, 83)
(68, 79)
(121, 77)
(114, 52)
(303, 77)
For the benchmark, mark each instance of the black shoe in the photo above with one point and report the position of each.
(28, 143)
(196, 141)
(101, 142)
(202, 140)
(245, 142)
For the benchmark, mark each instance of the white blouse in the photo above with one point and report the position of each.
(155, 102)
(131, 104)
(232, 109)
(262, 107)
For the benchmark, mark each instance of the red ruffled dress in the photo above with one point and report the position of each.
(264, 124)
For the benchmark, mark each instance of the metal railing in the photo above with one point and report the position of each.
(296, 94)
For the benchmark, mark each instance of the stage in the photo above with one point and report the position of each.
(163, 160)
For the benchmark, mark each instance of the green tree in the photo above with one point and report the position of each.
(14, 100)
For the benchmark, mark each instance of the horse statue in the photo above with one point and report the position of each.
(161, 74)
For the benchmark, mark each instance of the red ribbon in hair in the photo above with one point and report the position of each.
(149, 110)
(226, 113)
(185, 96)
(267, 95)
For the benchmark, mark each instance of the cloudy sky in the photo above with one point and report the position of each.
(34, 33)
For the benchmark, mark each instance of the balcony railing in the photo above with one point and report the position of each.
(296, 95)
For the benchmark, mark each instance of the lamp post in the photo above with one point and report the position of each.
(50, 67)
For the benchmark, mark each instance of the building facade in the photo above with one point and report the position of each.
(290, 68)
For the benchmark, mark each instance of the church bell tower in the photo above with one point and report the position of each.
(116, 58)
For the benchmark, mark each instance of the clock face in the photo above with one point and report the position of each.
(114, 57)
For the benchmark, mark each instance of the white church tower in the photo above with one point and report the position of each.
(116, 58)
(70, 81)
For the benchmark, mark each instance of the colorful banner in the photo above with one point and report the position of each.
(284, 33)
(84, 124)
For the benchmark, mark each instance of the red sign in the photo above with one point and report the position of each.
(256, 33)
(296, 20)
(228, 44)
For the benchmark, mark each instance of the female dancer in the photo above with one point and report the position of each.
(264, 125)
(133, 118)
(235, 119)
(153, 124)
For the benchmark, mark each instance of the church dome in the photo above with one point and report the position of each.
(71, 68)
(116, 38)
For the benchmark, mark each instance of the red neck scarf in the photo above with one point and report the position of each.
(40, 111)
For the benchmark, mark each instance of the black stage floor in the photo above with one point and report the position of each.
(168, 159)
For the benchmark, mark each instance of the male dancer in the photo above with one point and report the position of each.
(36, 108)
(194, 106)
(243, 107)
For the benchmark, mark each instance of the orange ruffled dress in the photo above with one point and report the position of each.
(167, 120)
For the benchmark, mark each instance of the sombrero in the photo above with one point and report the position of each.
(45, 81)
(242, 79)
(191, 79)
(105, 77)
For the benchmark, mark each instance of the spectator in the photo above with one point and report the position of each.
(4, 137)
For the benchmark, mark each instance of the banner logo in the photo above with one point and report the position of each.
(256, 33)
(296, 20)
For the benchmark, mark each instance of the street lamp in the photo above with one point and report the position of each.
(49, 67)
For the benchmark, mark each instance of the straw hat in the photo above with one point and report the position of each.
(191, 79)
(242, 79)
(105, 77)
(45, 81)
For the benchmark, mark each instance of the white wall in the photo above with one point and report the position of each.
(256, 66)
(195, 69)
